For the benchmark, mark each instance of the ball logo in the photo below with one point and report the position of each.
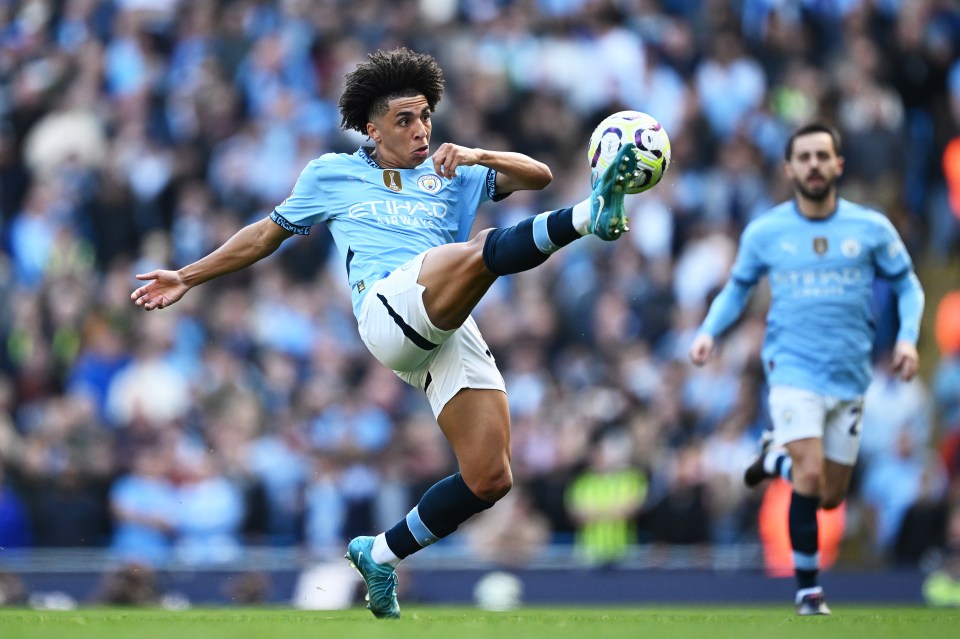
(429, 183)
(609, 145)
(850, 248)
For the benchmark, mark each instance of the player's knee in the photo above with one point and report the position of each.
(807, 479)
(831, 500)
(494, 485)
(475, 247)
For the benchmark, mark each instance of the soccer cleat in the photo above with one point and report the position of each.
(755, 472)
(608, 220)
(812, 604)
(381, 579)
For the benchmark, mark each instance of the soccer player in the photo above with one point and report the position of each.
(401, 220)
(820, 254)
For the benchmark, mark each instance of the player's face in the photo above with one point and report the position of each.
(814, 166)
(402, 135)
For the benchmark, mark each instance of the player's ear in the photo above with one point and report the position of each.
(788, 170)
(841, 162)
(372, 132)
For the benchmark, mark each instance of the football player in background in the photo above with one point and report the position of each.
(820, 254)
(401, 219)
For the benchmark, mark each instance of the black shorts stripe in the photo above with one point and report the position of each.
(411, 334)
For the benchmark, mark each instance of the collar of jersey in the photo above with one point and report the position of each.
(365, 156)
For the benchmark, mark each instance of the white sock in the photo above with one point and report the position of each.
(381, 552)
(785, 469)
(770, 461)
(581, 217)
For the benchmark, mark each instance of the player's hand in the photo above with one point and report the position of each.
(906, 361)
(163, 289)
(701, 349)
(449, 156)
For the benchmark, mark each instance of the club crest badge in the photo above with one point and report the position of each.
(429, 183)
(850, 248)
(820, 245)
(391, 179)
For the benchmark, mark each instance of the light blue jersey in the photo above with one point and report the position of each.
(382, 218)
(820, 326)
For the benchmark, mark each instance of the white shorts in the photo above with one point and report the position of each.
(798, 413)
(394, 325)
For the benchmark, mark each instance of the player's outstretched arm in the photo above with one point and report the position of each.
(248, 245)
(515, 171)
(726, 308)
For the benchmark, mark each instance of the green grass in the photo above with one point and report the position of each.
(657, 622)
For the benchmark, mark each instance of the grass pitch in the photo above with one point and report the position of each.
(422, 622)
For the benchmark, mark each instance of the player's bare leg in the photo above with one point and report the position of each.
(836, 483)
(455, 279)
(476, 422)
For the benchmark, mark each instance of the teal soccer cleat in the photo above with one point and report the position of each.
(381, 579)
(608, 220)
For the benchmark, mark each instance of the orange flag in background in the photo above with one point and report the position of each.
(951, 171)
(775, 530)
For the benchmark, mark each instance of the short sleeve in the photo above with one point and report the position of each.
(304, 206)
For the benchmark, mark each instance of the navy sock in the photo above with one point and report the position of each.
(446, 505)
(528, 244)
(560, 227)
(804, 539)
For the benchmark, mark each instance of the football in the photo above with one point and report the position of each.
(645, 132)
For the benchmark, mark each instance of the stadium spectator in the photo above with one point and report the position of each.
(144, 506)
(605, 498)
(906, 474)
(209, 513)
(14, 521)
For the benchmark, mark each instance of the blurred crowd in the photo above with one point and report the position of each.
(137, 134)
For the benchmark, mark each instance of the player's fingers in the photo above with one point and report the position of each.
(697, 356)
(905, 366)
(140, 292)
(909, 369)
(152, 275)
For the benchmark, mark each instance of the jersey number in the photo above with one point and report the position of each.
(857, 414)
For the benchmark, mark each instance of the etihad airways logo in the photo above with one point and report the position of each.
(399, 213)
(822, 282)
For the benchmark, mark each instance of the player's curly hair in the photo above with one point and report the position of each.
(398, 73)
